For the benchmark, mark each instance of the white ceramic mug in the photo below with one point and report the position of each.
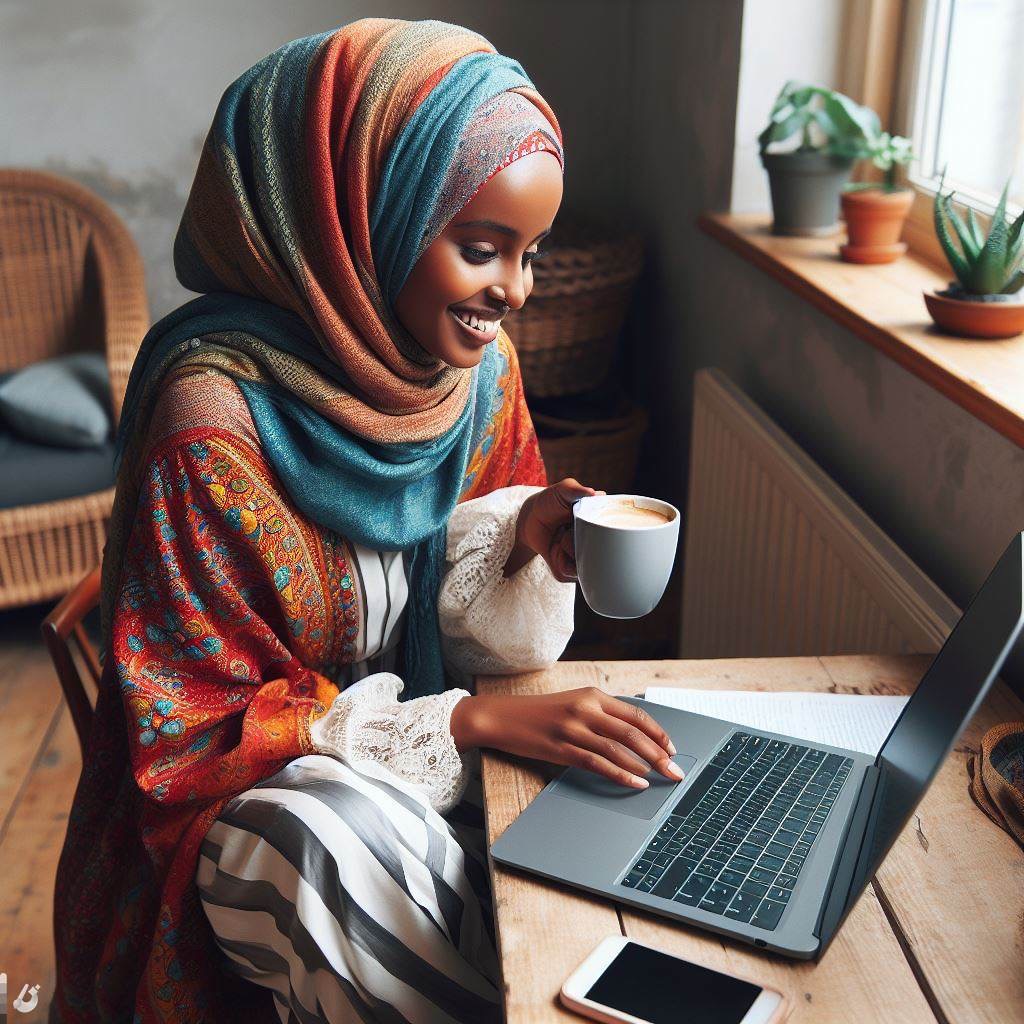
(623, 570)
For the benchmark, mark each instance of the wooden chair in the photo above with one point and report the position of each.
(71, 279)
(63, 623)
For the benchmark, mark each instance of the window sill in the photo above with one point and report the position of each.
(884, 306)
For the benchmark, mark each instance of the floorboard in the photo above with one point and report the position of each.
(39, 767)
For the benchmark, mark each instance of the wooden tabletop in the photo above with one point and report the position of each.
(937, 937)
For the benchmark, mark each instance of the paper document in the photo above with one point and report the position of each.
(838, 719)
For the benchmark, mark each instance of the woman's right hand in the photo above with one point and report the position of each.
(584, 727)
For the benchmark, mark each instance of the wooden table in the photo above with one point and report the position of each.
(937, 936)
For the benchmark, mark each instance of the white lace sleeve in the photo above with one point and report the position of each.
(491, 623)
(413, 738)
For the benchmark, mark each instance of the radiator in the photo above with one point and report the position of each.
(778, 559)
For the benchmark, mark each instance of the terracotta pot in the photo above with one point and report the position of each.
(969, 319)
(874, 222)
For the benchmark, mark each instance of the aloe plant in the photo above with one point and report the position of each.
(983, 266)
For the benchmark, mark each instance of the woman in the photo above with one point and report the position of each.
(330, 497)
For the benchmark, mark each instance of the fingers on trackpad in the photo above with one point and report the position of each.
(579, 784)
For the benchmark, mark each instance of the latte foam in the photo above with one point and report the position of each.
(625, 514)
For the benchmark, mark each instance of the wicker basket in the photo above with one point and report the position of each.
(600, 453)
(566, 332)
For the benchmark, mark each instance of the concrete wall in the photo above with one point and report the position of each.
(119, 94)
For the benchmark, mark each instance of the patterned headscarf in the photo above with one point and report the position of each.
(502, 130)
(329, 168)
(325, 175)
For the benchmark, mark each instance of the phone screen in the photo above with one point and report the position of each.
(665, 990)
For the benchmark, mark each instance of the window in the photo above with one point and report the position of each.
(965, 96)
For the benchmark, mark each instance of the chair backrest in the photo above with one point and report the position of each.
(71, 277)
(58, 628)
(49, 301)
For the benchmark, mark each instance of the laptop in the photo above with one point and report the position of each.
(768, 838)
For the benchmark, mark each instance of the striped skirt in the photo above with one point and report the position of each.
(351, 899)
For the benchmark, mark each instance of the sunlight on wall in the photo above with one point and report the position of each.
(782, 39)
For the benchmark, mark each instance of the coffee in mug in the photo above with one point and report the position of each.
(627, 514)
(625, 550)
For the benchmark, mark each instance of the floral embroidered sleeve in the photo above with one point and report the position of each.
(218, 603)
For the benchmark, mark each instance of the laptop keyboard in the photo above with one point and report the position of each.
(735, 843)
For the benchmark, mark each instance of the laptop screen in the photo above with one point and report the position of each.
(945, 699)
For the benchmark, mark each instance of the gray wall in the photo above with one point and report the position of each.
(120, 93)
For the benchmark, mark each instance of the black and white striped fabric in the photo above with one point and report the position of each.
(343, 891)
(383, 592)
(351, 899)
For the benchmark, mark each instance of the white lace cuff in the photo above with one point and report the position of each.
(413, 738)
(491, 623)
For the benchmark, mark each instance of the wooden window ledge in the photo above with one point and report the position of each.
(884, 306)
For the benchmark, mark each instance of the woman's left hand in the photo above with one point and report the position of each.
(545, 528)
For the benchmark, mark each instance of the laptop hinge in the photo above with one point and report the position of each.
(834, 905)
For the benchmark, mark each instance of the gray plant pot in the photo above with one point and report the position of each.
(805, 191)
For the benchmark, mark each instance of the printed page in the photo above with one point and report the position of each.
(838, 719)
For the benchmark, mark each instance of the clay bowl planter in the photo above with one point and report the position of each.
(976, 318)
(874, 222)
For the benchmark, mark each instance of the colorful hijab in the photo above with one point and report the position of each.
(330, 167)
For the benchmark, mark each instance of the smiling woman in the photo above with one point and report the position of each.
(331, 512)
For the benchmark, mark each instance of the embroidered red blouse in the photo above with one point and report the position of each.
(234, 612)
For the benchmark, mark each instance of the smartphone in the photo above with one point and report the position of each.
(624, 980)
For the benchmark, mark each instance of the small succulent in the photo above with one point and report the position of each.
(983, 266)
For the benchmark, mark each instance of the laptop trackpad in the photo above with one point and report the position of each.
(579, 784)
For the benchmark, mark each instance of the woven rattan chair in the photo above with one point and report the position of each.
(71, 279)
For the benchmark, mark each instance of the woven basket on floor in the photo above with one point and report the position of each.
(599, 453)
(565, 334)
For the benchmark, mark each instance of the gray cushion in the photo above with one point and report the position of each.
(61, 401)
(33, 473)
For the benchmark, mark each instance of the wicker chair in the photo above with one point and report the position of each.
(71, 279)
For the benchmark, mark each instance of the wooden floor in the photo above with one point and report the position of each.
(39, 767)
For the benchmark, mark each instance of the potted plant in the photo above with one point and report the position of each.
(983, 301)
(875, 211)
(805, 181)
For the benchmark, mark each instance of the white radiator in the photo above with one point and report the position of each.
(778, 559)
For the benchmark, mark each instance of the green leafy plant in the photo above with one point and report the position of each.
(830, 121)
(983, 266)
(825, 120)
(886, 152)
